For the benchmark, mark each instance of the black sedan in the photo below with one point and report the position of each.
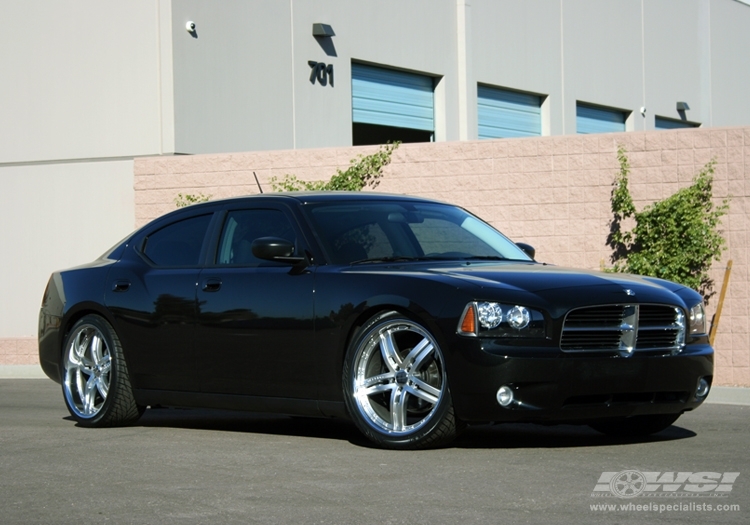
(411, 317)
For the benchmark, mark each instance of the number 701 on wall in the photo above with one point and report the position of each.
(321, 72)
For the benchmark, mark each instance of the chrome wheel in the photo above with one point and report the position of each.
(96, 384)
(87, 366)
(396, 385)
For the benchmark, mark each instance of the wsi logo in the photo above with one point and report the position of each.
(632, 483)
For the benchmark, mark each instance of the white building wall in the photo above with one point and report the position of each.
(80, 80)
(521, 48)
(418, 36)
(602, 57)
(620, 53)
(677, 59)
(243, 81)
(56, 216)
(730, 63)
(85, 86)
(233, 79)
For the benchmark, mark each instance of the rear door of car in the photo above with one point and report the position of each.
(152, 294)
(255, 330)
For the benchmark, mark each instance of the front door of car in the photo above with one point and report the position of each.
(255, 333)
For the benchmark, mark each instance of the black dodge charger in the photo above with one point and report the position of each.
(410, 317)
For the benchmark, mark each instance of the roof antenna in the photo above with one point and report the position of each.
(257, 182)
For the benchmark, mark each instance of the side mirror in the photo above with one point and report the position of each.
(527, 249)
(275, 249)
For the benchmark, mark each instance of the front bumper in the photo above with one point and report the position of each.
(574, 388)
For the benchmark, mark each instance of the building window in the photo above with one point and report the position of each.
(390, 105)
(670, 123)
(598, 119)
(503, 113)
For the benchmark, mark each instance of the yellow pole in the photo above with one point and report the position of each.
(717, 316)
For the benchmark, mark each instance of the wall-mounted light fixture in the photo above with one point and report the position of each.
(682, 106)
(322, 30)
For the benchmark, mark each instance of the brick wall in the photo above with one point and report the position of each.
(19, 351)
(552, 192)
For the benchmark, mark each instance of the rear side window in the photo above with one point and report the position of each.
(178, 244)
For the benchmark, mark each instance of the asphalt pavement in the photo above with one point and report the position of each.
(214, 467)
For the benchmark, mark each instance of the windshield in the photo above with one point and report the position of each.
(378, 231)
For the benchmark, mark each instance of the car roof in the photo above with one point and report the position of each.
(300, 197)
(308, 197)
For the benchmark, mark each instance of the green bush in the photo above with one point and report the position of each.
(187, 199)
(676, 238)
(363, 171)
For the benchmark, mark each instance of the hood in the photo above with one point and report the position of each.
(552, 285)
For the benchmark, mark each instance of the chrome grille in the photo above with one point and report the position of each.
(624, 329)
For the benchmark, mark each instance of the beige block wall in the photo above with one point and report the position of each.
(19, 351)
(552, 192)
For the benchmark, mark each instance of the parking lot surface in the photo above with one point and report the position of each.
(215, 467)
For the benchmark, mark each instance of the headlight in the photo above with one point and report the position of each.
(698, 319)
(490, 319)
(490, 315)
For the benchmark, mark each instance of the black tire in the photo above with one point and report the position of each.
(95, 382)
(635, 426)
(396, 387)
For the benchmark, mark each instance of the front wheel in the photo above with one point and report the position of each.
(396, 387)
(96, 386)
(635, 426)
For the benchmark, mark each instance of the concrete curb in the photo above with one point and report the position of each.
(729, 395)
(21, 372)
(719, 395)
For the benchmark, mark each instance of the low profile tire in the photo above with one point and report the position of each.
(635, 426)
(95, 384)
(396, 387)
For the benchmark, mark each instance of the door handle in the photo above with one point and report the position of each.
(211, 285)
(120, 286)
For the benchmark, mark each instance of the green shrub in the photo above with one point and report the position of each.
(363, 171)
(187, 199)
(676, 238)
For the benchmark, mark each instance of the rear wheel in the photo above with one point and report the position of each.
(635, 426)
(396, 387)
(96, 386)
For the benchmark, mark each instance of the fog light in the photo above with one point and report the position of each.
(700, 392)
(504, 396)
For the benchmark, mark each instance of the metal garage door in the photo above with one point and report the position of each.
(392, 98)
(591, 119)
(668, 123)
(502, 113)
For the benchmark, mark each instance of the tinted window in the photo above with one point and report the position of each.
(365, 230)
(363, 242)
(178, 244)
(439, 235)
(242, 227)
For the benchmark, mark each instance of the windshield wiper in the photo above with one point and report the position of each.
(398, 258)
(484, 258)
